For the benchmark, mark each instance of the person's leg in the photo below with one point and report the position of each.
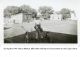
(27, 37)
(36, 35)
(40, 31)
(41, 35)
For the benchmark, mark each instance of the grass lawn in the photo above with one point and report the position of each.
(65, 27)
(59, 32)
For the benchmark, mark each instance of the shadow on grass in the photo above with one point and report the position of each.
(51, 37)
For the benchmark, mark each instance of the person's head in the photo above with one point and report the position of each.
(26, 33)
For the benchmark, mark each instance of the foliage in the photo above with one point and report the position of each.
(65, 13)
(12, 10)
(46, 11)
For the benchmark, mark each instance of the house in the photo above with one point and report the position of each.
(56, 16)
(22, 17)
(59, 16)
(19, 18)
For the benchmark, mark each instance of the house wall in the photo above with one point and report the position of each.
(56, 16)
(17, 18)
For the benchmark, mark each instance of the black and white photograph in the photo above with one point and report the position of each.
(39, 28)
(40, 22)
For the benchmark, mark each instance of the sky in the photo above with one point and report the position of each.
(55, 4)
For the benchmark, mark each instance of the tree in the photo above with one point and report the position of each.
(34, 13)
(65, 13)
(25, 9)
(73, 12)
(46, 11)
(11, 10)
(28, 10)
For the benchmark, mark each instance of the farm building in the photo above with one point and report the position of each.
(19, 18)
(58, 16)
(22, 17)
